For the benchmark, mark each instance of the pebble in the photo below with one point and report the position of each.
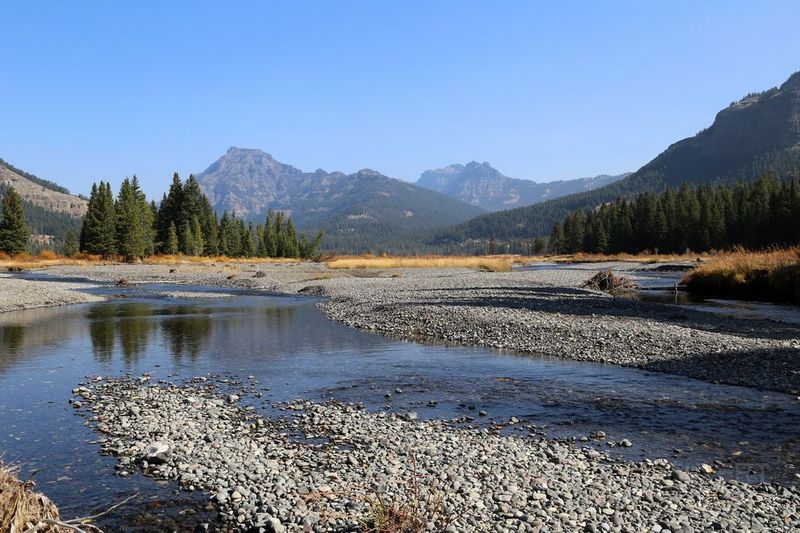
(261, 479)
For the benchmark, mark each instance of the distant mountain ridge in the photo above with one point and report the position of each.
(759, 133)
(360, 211)
(481, 185)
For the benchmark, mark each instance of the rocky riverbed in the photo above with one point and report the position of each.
(336, 467)
(16, 294)
(539, 312)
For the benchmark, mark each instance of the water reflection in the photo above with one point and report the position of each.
(187, 330)
(131, 325)
(11, 338)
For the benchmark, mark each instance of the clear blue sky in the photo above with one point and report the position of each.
(542, 90)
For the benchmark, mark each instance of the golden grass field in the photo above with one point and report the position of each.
(769, 275)
(488, 263)
(48, 258)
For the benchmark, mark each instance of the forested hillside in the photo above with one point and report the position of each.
(42, 221)
(759, 133)
(755, 215)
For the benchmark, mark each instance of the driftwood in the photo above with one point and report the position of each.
(607, 281)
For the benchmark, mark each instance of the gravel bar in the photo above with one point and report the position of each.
(17, 294)
(334, 467)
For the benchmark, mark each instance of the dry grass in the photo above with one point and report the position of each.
(420, 509)
(21, 508)
(205, 260)
(625, 258)
(492, 263)
(772, 275)
(45, 259)
(48, 259)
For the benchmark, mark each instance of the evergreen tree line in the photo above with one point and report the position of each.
(756, 215)
(184, 223)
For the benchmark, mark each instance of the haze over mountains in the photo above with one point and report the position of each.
(481, 185)
(759, 133)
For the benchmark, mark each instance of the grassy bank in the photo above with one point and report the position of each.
(769, 276)
(489, 263)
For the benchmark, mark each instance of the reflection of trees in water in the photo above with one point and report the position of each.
(131, 323)
(11, 338)
(187, 332)
(101, 331)
(135, 327)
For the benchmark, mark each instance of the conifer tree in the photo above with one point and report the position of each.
(70, 244)
(197, 233)
(14, 231)
(134, 224)
(187, 240)
(172, 247)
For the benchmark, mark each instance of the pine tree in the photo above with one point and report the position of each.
(134, 239)
(70, 244)
(187, 239)
(14, 231)
(271, 236)
(556, 242)
(197, 233)
(106, 243)
(172, 247)
(293, 250)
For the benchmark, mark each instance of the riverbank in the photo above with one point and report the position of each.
(332, 466)
(17, 294)
(539, 312)
(768, 276)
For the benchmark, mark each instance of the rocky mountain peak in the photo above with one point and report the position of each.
(481, 170)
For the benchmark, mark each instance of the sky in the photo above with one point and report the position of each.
(541, 90)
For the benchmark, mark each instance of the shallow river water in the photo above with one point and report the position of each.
(294, 351)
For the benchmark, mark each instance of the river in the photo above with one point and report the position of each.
(293, 351)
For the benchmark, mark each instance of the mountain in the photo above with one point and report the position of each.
(50, 210)
(481, 185)
(759, 133)
(363, 211)
(42, 193)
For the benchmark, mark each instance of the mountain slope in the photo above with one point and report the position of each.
(361, 211)
(758, 133)
(48, 209)
(481, 185)
(42, 193)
